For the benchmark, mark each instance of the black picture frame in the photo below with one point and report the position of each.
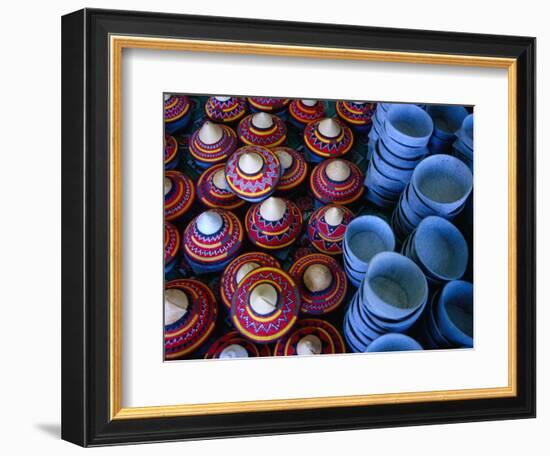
(85, 225)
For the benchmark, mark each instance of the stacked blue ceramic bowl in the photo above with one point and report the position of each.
(440, 185)
(463, 147)
(439, 249)
(390, 299)
(447, 121)
(400, 146)
(448, 320)
(365, 237)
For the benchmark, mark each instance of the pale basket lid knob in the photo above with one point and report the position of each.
(338, 170)
(175, 305)
(317, 277)
(273, 209)
(285, 158)
(167, 185)
(262, 120)
(263, 299)
(245, 269)
(250, 162)
(309, 345)
(210, 133)
(309, 103)
(219, 180)
(234, 351)
(222, 99)
(329, 128)
(334, 215)
(209, 222)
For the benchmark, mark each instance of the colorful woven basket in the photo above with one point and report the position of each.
(228, 283)
(171, 152)
(265, 104)
(188, 333)
(271, 135)
(213, 190)
(273, 234)
(225, 109)
(208, 154)
(302, 112)
(177, 112)
(316, 332)
(212, 252)
(356, 115)
(227, 347)
(258, 185)
(328, 237)
(172, 243)
(179, 194)
(269, 323)
(328, 298)
(321, 146)
(327, 190)
(296, 171)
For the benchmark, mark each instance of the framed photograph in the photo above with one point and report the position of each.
(274, 227)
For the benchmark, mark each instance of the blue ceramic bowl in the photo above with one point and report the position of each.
(466, 131)
(402, 150)
(409, 125)
(393, 342)
(365, 237)
(441, 248)
(455, 313)
(394, 158)
(379, 178)
(394, 287)
(439, 146)
(447, 120)
(442, 182)
(389, 170)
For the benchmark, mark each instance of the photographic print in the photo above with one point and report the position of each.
(298, 227)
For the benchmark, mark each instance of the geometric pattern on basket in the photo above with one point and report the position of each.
(331, 340)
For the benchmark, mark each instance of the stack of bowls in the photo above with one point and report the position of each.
(447, 120)
(448, 321)
(399, 148)
(391, 298)
(439, 248)
(393, 342)
(365, 237)
(211, 240)
(440, 185)
(463, 147)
